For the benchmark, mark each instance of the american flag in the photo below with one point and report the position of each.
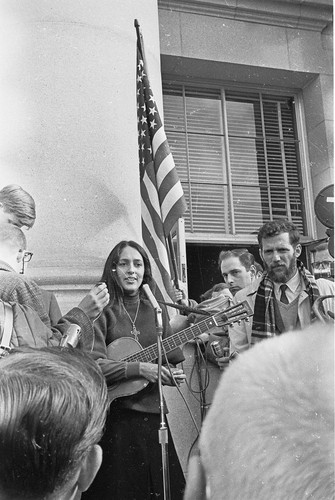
(162, 197)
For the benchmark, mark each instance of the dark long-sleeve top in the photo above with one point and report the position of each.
(114, 324)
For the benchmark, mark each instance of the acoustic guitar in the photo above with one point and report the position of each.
(129, 349)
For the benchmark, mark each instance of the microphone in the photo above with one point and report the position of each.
(158, 314)
(150, 296)
(72, 336)
(186, 309)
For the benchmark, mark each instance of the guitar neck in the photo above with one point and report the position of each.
(151, 353)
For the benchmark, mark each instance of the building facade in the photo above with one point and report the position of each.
(248, 106)
(246, 91)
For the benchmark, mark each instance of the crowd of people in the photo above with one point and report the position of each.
(109, 383)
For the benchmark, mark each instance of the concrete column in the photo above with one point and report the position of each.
(69, 128)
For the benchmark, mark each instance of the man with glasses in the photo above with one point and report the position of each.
(17, 207)
(16, 288)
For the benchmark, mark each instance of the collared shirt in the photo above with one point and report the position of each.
(295, 286)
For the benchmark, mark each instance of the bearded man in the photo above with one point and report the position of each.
(282, 301)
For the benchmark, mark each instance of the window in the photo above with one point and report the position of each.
(237, 155)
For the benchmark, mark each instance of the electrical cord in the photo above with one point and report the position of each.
(200, 364)
(178, 388)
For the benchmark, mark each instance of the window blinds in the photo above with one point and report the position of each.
(236, 153)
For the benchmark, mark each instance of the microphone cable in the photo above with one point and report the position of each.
(179, 390)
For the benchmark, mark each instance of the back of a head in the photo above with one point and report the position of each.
(20, 203)
(52, 411)
(12, 238)
(270, 430)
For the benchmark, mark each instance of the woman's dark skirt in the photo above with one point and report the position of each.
(132, 460)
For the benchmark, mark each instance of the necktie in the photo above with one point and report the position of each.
(283, 296)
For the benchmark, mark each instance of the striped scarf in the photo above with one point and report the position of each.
(264, 323)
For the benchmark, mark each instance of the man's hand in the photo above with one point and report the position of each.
(94, 302)
(223, 361)
(180, 295)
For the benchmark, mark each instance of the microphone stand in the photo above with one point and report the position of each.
(163, 431)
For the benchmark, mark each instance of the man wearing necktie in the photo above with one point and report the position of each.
(282, 300)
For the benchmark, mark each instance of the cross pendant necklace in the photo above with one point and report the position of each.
(134, 330)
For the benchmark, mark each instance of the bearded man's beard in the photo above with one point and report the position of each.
(279, 273)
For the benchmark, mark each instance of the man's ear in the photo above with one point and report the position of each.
(298, 250)
(252, 271)
(89, 468)
(19, 256)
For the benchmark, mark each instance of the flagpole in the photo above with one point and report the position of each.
(139, 37)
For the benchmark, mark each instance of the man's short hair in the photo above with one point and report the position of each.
(12, 237)
(18, 202)
(52, 411)
(245, 257)
(275, 227)
(270, 430)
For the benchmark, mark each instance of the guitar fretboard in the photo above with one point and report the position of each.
(151, 353)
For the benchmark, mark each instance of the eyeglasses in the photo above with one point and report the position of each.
(27, 256)
(322, 264)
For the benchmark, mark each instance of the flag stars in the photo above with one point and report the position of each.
(152, 111)
(143, 119)
(153, 124)
(142, 133)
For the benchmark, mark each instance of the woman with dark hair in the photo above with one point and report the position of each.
(131, 467)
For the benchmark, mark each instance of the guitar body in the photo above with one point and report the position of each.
(130, 350)
(117, 351)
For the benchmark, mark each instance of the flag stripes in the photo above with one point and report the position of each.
(162, 198)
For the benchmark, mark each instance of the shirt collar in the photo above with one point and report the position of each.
(6, 267)
(293, 284)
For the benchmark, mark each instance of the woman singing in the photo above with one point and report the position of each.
(132, 456)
